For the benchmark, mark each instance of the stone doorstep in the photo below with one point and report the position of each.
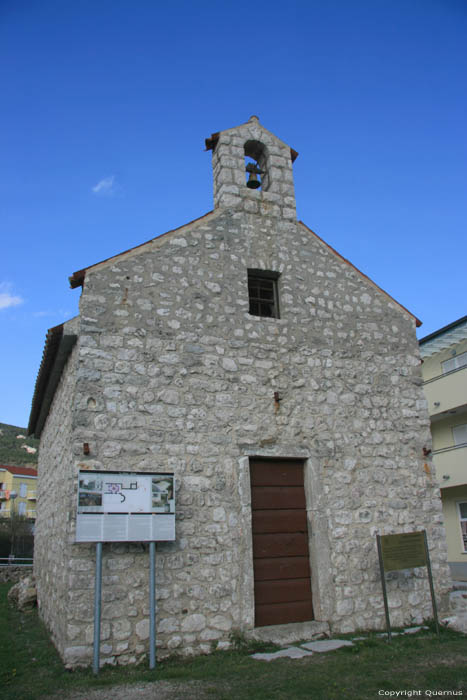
(283, 635)
(327, 645)
(289, 653)
(324, 645)
(306, 649)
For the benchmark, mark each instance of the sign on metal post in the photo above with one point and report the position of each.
(125, 507)
(405, 550)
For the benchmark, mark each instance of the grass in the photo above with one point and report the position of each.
(30, 667)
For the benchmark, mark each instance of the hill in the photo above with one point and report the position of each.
(16, 449)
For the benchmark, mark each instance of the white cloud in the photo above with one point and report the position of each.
(6, 298)
(106, 187)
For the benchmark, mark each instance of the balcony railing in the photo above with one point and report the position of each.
(451, 465)
(447, 391)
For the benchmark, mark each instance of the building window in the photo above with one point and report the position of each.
(456, 362)
(262, 293)
(22, 509)
(459, 433)
(463, 522)
(23, 491)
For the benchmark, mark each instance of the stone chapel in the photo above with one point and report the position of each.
(280, 386)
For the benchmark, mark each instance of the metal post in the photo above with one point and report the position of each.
(383, 583)
(152, 605)
(97, 608)
(430, 578)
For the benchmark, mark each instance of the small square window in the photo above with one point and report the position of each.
(262, 293)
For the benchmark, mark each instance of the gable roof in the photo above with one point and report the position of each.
(59, 345)
(77, 278)
(19, 471)
(213, 140)
(418, 323)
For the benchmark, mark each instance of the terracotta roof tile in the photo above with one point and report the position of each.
(19, 471)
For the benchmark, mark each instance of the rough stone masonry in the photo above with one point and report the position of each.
(165, 369)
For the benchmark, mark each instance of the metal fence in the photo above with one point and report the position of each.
(16, 561)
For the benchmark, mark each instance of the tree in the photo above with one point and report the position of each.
(16, 535)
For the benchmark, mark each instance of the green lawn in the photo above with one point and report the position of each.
(31, 668)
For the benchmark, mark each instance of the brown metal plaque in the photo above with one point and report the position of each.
(403, 551)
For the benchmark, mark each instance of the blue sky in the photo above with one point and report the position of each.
(106, 105)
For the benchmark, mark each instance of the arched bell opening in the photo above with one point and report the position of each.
(256, 165)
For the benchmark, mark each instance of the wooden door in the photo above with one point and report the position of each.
(280, 543)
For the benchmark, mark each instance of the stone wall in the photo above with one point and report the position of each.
(55, 507)
(12, 573)
(174, 374)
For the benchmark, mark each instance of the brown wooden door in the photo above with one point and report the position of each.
(280, 543)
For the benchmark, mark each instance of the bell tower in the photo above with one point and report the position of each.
(252, 170)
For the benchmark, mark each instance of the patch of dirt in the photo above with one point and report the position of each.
(158, 690)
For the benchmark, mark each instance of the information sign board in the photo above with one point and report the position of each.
(403, 551)
(125, 507)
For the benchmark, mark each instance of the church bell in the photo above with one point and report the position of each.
(253, 179)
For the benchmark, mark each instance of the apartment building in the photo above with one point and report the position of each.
(18, 491)
(444, 370)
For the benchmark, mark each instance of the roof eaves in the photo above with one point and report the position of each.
(56, 351)
(77, 278)
(418, 323)
(442, 330)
